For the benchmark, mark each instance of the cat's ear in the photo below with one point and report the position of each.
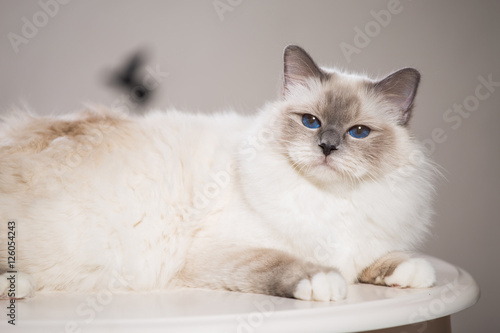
(399, 89)
(298, 67)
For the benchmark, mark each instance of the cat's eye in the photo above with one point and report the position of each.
(359, 131)
(310, 121)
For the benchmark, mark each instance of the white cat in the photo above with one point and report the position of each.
(323, 187)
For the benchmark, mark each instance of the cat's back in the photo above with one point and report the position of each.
(34, 149)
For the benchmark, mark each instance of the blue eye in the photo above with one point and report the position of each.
(359, 131)
(310, 121)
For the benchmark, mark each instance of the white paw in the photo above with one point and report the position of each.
(412, 273)
(322, 286)
(16, 285)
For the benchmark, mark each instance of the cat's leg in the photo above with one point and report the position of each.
(398, 269)
(16, 285)
(263, 271)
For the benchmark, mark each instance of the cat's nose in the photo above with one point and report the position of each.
(327, 148)
(329, 141)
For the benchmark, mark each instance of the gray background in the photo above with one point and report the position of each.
(234, 61)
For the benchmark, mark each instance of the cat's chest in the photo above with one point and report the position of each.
(326, 227)
(305, 205)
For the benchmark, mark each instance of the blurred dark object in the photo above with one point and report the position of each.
(129, 78)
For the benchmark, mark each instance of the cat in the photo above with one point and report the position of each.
(322, 188)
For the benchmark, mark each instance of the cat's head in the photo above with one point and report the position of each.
(334, 126)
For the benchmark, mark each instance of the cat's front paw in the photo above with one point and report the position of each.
(16, 285)
(412, 273)
(323, 286)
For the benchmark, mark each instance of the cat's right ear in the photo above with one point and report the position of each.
(298, 68)
(399, 89)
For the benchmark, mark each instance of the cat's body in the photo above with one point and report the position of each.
(268, 203)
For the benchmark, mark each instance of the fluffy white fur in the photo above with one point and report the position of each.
(128, 200)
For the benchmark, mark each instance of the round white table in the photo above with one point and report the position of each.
(367, 308)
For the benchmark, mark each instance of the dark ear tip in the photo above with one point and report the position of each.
(409, 75)
(293, 48)
(410, 69)
(411, 72)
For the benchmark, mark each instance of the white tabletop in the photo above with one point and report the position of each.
(367, 307)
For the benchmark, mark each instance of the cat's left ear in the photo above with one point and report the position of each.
(399, 89)
(299, 67)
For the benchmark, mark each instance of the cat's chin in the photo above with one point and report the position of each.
(328, 170)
